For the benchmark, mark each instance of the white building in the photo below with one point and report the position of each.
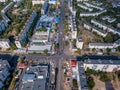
(72, 27)
(3, 0)
(93, 6)
(82, 0)
(4, 44)
(38, 2)
(3, 12)
(85, 7)
(95, 29)
(87, 14)
(79, 43)
(105, 27)
(52, 1)
(4, 71)
(101, 45)
(102, 65)
(23, 34)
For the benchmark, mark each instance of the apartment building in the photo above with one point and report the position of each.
(4, 43)
(81, 77)
(3, 12)
(85, 7)
(79, 43)
(23, 34)
(102, 65)
(95, 29)
(3, 25)
(3, 0)
(105, 27)
(4, 71)
(87, 14)
(38, 2)
(44, 8)
(101, 45)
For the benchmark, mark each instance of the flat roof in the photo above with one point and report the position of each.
(82, 76)
(101, 44)
(102, 61)
(36, 82)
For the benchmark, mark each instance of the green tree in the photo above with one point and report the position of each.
(91, 84)
(45, 52)
(21, 60)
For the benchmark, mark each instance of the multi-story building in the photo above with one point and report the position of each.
(18, 3)
(106, 27)
(85, 7)
(52, 1)
(102, 65)
(72, 24)
(38, 2)
(93, 6)
(3, 25)
(95, 29)
(44, 8)
(4, 71)
(79, 43)
(3, 12)
(36, 78)
(23, 34)
(101, 45)
(87, 14)
(3, 0)
(4, 43)
(81, 77)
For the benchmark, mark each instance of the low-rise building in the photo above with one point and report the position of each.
(79, 43)
(4, 43)
(36, 78)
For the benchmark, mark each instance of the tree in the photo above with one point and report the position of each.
(118, 48)
(78, 51)
(91, 83)
(45, 51)
(66, 43)
(21, 60)
(108, 50)
(75, 83)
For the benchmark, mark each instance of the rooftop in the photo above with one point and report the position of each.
(35, 78)
(82, 76)
(101, 61)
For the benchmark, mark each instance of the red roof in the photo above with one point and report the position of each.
(73, 63)
(22, 65)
